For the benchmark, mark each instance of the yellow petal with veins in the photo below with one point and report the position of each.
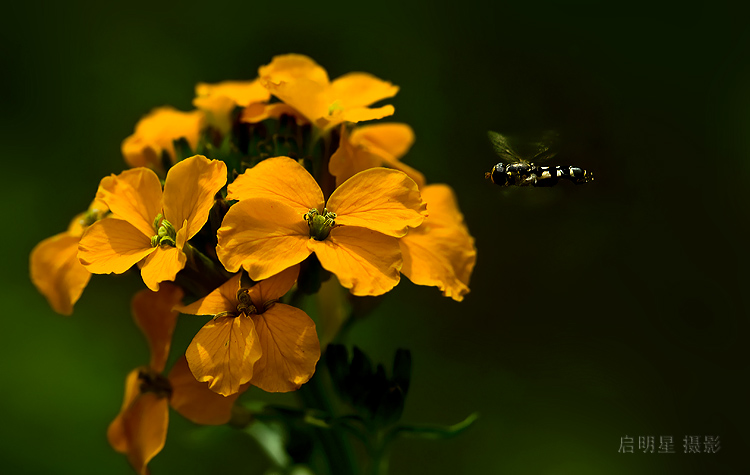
(279, 178)
(262, 236)
(135, 196)
(112, 246)
(441, 251)
(223, 353)
(364, 261)
(222, 299)
(379, 199)
(189, 191)
(290, 349)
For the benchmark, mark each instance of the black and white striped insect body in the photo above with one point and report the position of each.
(517, 171)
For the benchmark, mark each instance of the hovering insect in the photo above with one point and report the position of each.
(517, 171)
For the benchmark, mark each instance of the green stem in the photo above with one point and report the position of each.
(379, 456)
(335, 445)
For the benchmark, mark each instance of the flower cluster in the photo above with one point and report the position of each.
(236, 209)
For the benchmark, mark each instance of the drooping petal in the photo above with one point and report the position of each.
(223, 353)
(57, 273)
(140, 430)
(360, 90)
(279, 178)
(380, 199)
(189, 191)
(153, 314)
(195, 401)
(223, 299)
(262, 236)
(441, 251)
(365, 261)
(274, 287)
(135, 196)
(298, 81)
(162, 265)
(290, 348)
(112, 246)
(156, 132)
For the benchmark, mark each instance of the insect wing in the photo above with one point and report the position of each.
(545, 148)
(503, 149)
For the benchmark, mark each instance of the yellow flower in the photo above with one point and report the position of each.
(55, 269)
(253, 338)
(372, 146)
(149, 226)
(441, 251)
(155, 135)
(282, 218)
(219, 100)
(300, 82)
(140, 429)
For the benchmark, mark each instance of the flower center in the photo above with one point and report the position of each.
(245, 305)
(320, 224)
(166, 235)
(152, 382)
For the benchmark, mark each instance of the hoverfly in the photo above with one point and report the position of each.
(517, 171)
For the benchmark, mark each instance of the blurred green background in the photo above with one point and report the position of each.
(599, 311)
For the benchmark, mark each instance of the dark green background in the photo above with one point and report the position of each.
(611, 309)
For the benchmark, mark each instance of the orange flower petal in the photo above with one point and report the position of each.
(57, 273)
(219, 100)
(289, 67)
(152, 312)
(298, 81)
(441, 252)
(139, 152)
(223, 353)
(361, 114)
(241, 93)
(223, 299)
(112, 246)
(373, 146)
(392, 139)
(262, 236)
(135, 196)
(274, 287)
(157, 131)
(116, 432)
(360, 89)
(380, 199)
(279, 178)
(259, 112)
(350, 159)
(189, 191)
(162, 265)
(140, 430)
(195, 401)
(364, 261)
(290, 348)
